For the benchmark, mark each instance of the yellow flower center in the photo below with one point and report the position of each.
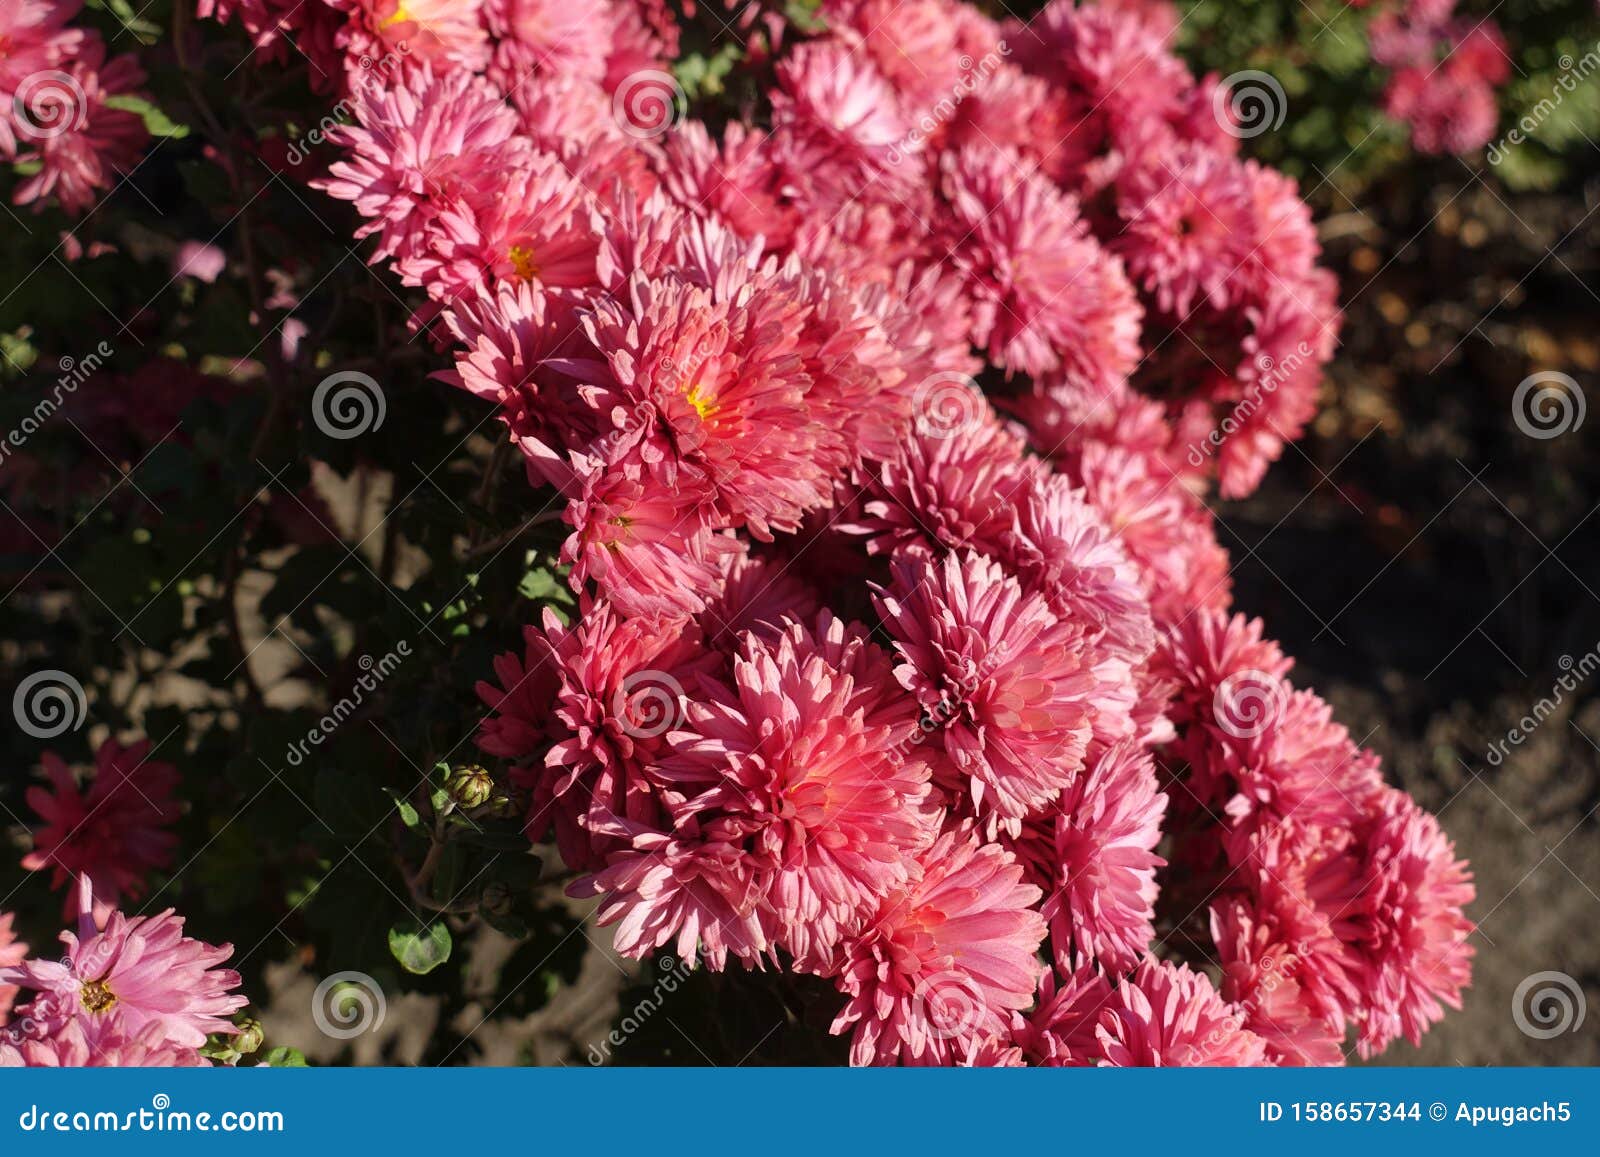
(703, 404)
(522, 262)
(400, 16)
(97, 996)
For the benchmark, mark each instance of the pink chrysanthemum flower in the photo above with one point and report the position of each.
(418, 147)
(555, 37)
(650, 549)
(1060, 1031)
(945, 960)
(1065, 551)
(840, 126)
(833, 806)
(724, 381)
(106, 1041)
(622, 687)
(1166, 531)
(65, 123)
(540, 227)
(522, 349)
(1414, 930)
(446, 34)
(1448, 110)
(1046, 296)
(12, 951)
(913, 43)
(116, 832)
(1006, 676)
(737, 180)
(1188, 225)
(1263, 980)
(758, 595)
(34, 38)
(1107, 825)
(955, 484)
(698, 892)
(518, 723)
(1166, 1015)
(144, 968)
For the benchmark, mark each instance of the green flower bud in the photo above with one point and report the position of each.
(249, 1038)
(470, 786)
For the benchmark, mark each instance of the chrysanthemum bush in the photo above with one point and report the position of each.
(869, 631)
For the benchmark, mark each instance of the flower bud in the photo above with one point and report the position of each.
(250, 1036)
(470, 786)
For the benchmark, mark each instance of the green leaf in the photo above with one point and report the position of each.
(283, 1057)
(156, 122)
(420, 949)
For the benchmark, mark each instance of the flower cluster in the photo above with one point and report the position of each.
(879, 417)
(1444, 70)
(876, 675)
(127, 991)
(57, 88)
